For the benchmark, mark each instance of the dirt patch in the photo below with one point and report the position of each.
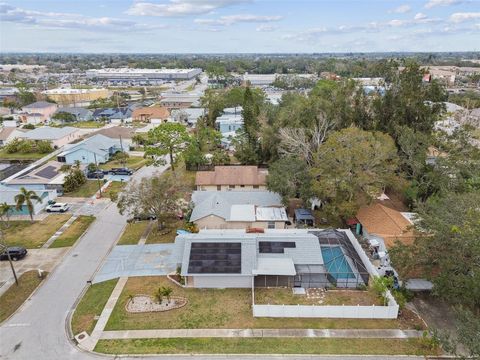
(145, 303)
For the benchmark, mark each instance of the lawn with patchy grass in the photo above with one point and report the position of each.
(19, 156)
(15, 296)
(285, 296)
(86, 190)
(91, 305)
(133, 232)
(166, 235)
(223, 308)
(73, 232)
(113, 189)
(267, 346)
(34, 235)
(132, 162)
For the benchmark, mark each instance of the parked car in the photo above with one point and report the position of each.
(121, 171)
(97, 174)
(142, 217)
(15, 252)
(57, 207)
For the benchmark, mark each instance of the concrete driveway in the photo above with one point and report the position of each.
(138, 260)
(45, 259)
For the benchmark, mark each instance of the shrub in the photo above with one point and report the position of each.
(29, 126)
(74, 180)
(26, 147)
(44, 147)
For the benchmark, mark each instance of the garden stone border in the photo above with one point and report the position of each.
(185, 302)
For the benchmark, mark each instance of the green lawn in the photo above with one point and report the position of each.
(166, 235)
(15, 296)
(19, 156)
(74, 231)
(223, 308)
(87, 124)
(86, 190)
(113, 190)
(132, 162)
(133, 232)
(31, 236)
(267, 346)
(91, 305)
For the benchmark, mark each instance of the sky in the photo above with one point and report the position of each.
(238, 26)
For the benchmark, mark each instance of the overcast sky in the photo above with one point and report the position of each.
(222, 26)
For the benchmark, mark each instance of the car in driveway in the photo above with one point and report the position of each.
(15, 252)
(143, 217)
(57, 207)
(97, 174)
(121, 171)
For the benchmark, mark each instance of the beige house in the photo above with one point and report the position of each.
(57, 137)
(38, 112)
(228, 178)
(238, 210)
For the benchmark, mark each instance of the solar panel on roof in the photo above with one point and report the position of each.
(48, 173)
(215, 258)
(275, 247)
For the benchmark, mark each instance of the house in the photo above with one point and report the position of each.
(7, 134)
(150, 114)
(303, 217)
(57, 137)
(38, 112)
(227, 178)
(189, 116)
(119, 133)
(179, 101)
(231, 120)
(385, 224)
(122, 114)
(272, 258)
(45, 177)
(96, 149)
(238, 210)
(80, 114)
(7, 195)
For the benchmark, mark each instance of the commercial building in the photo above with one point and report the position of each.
(128, 75)
(228, 178)
(76, 97)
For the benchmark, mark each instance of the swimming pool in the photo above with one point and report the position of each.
(336, 263)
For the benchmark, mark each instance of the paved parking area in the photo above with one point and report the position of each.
(44, 259)
(137, 260)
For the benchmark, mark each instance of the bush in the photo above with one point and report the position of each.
(29, 126)
(12, 146)
(44, 147)
(74, 180)
(26, 147)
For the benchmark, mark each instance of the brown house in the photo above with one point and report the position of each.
(225, 178)
(147, 114)
(387, 223)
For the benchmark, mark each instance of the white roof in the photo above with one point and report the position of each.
(271, 214)
(49, 133)
(242, 213)
(275, 266)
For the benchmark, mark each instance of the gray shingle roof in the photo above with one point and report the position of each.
(38, 105)
(49, 133)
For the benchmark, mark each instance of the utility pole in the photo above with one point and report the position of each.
(98, 180)
(4, 248)
(123, 152)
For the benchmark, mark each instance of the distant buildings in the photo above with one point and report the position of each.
(179, 101)
(228, 178)
(151, 114)
(76, 97)
(57, 137)
(259, 79)
(80, 113)
(229, 123)
(38, 112)
(128, 75)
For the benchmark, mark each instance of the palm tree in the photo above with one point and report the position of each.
(5, 210)
(27, 197)
(167, 292)
(159, 295)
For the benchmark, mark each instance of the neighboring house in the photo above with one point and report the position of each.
(273, 258)
(7, 195)
(57, 137)
(81, 114)
(38, 112)
(238, 210)
(230, 121)
(150, 114)
(46, 177)
(227, 178)
(122, 114)
(179, 101)
(385, 224)
(96, 149)
(7, 134)
(120, 133)
(189, 116)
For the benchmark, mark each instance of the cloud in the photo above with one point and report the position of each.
(176, 8)
(54, 20)
(266, 28)
(228, 20)
(466, 16)
(433, 3)
(402, 9)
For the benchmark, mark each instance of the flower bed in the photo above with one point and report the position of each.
(145, 303)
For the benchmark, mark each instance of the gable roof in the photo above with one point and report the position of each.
(6, 132)
(155, 112)
(115, 132)
(387, 223)
(98, 144)
(39, 105)
(77, 111)
(49, 133)
(232, 175)
(220, 203)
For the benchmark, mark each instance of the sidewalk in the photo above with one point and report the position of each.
(263, 333)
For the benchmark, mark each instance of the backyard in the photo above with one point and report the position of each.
(31, 236)
(74, 231)
(225, 308)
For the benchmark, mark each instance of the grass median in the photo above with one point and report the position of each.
(74, 231)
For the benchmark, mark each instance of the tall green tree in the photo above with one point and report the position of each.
(167, 139)
(27, 198)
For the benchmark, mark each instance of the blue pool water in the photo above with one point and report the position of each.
(335, 262)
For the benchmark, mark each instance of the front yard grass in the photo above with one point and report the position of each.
(132, 162)
(267, 346)
(74, 231)
(91, 305)
(133, 232)
(86, 190)
(19, 156)
(224, 308)
(166, 235)
(34, 235)
(15, 296)
(285, 296)
(113, 189)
